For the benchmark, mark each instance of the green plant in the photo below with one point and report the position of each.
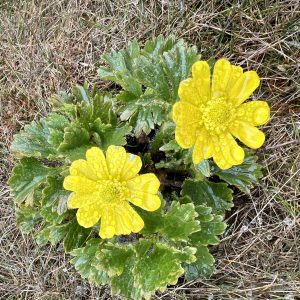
(175, 238)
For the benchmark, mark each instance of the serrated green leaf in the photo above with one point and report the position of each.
(124, 284)
(114, 136)
(113, 258)
(51, 216)
(27, 217)
(33, 140)
(75, 235)
(158, 68)
(216, 195)
(211, 226)
(54, 195)
(153, 220)
(86, 262)
(71, 233)
(202, 267)
(243, 176)
(180, 222)
(159, 265)
(74, 137)
(26, 177)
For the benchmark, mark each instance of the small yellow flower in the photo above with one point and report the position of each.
(103, 187)
(207, 117)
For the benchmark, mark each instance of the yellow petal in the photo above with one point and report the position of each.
(227, 152)
(244, 87)
(115, 158)
(185, 136)
(136, 222)
(221, 77)
(255, 112)
(236, 73)
(185, 114)
(79, 184)
(143, 191)
(123, 222)
(248, 134)
(131, 167)
(108, 223)
(77, 200)
(89, 215)
(81, 168)
(196, 90)
(203, 148)
(96, 162)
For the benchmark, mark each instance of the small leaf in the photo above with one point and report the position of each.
(243, 176)
(85, 262)
(27, 176)
(216, 195)
(74, 137)
(211, 226)
(202, 267)
(203, 168)
(180, 222)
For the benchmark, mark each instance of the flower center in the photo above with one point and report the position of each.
(217, 115)
(112, 192)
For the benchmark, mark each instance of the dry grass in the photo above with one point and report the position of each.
(50, 45)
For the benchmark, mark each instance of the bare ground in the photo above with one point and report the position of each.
(46, 46)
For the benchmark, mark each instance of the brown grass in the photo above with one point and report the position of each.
(50, 45)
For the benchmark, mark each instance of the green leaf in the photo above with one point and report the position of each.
(125, 284)
(75, 235)
(33, 140)
(26, 177)
(54, 195)
(71, 233)
(211, 226)
(157, 69)
(121, 69)
(159, 265)
(86, 262)
(216, 195)
(203, 168)
(243, 176)
(74, 137)
(113, 258)
(153, 220)
(202, 267)
(113, 136)
(27, 217)
(184, 216)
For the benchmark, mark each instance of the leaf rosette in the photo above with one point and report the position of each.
(105, 175)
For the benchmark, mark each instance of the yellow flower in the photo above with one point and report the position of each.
(207, 117)
(103, 187)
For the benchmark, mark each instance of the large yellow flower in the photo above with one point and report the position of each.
(207, 117)
(103, 187)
